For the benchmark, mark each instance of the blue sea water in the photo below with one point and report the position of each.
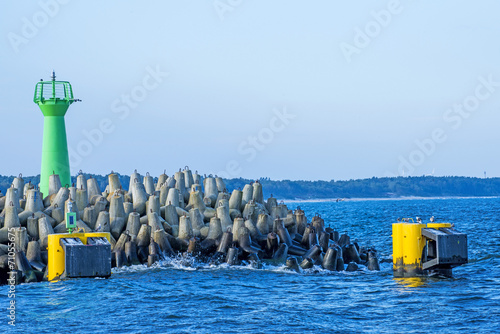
(189, 297)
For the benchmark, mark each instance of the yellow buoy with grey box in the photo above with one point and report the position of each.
(72, 255)
(420, 249)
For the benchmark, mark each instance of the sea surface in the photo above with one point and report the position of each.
(189, 297)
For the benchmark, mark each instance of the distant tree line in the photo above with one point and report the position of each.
(423, 186)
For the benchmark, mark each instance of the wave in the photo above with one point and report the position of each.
(190, 263)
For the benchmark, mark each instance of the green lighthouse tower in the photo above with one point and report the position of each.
(54, 97)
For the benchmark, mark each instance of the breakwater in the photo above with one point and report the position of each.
(184, 214)
(187, 296)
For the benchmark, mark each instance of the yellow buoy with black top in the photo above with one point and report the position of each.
(421, 249)
(72, 255)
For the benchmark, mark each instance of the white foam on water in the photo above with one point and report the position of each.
(191, 263)
(129, 269)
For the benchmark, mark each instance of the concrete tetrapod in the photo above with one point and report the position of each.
(196, 221)
(18, 183)
(160, 237)
(163, 194)
(131, 253)
(171, 216)
(276, 212)
(139, 197)
(33, 254)
(162, 179)
(237, 224)
(81, 181)
(100, 204)
(222, 198)
(340, 259)
(221, 186)
(285, 238)
(11, 216)
(11, 221)
(245, 241)
(114, 183)
(144, 236)
(196, 201)
(173, 197)
(154, 204)
(313, 253)
(324, 241)
(82, 198)
(180, 184)
(262, 223)
(133, 223)
(120, 244)
(246, 196)
(232, 256)
(330, 259)
(225, 242)
(24, 266)
(21, 239)
(44, 229)
(344, 240)
(32, 227)
(258, 194)
(313, 239)
(280, 255)
(59, 199)
(214, 235)
(134, 177)
(254, 232)
(305, 236)
(272, 243)
(102, 223)
(117, 215)
(211, 190)
(215, 229)
(301, 220)
(57, 215)
(372, 261)
(92, 189)
(350, 254)
(291, 224)
(293, 264)
(197, 178)
(34, 201)
(188, 177)
(154, 222)
(250, 211)
(185, 228)
(235, 201)
(225, 218)
(270, 203)
(352, 266)
(149, 184)
(90, 217)
(11, 199)
(171, 182)
(307, 263)
(54, 184)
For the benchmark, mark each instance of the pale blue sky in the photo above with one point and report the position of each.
(357, 103)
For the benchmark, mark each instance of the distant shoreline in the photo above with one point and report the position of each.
(403, 198)
(396, 188)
